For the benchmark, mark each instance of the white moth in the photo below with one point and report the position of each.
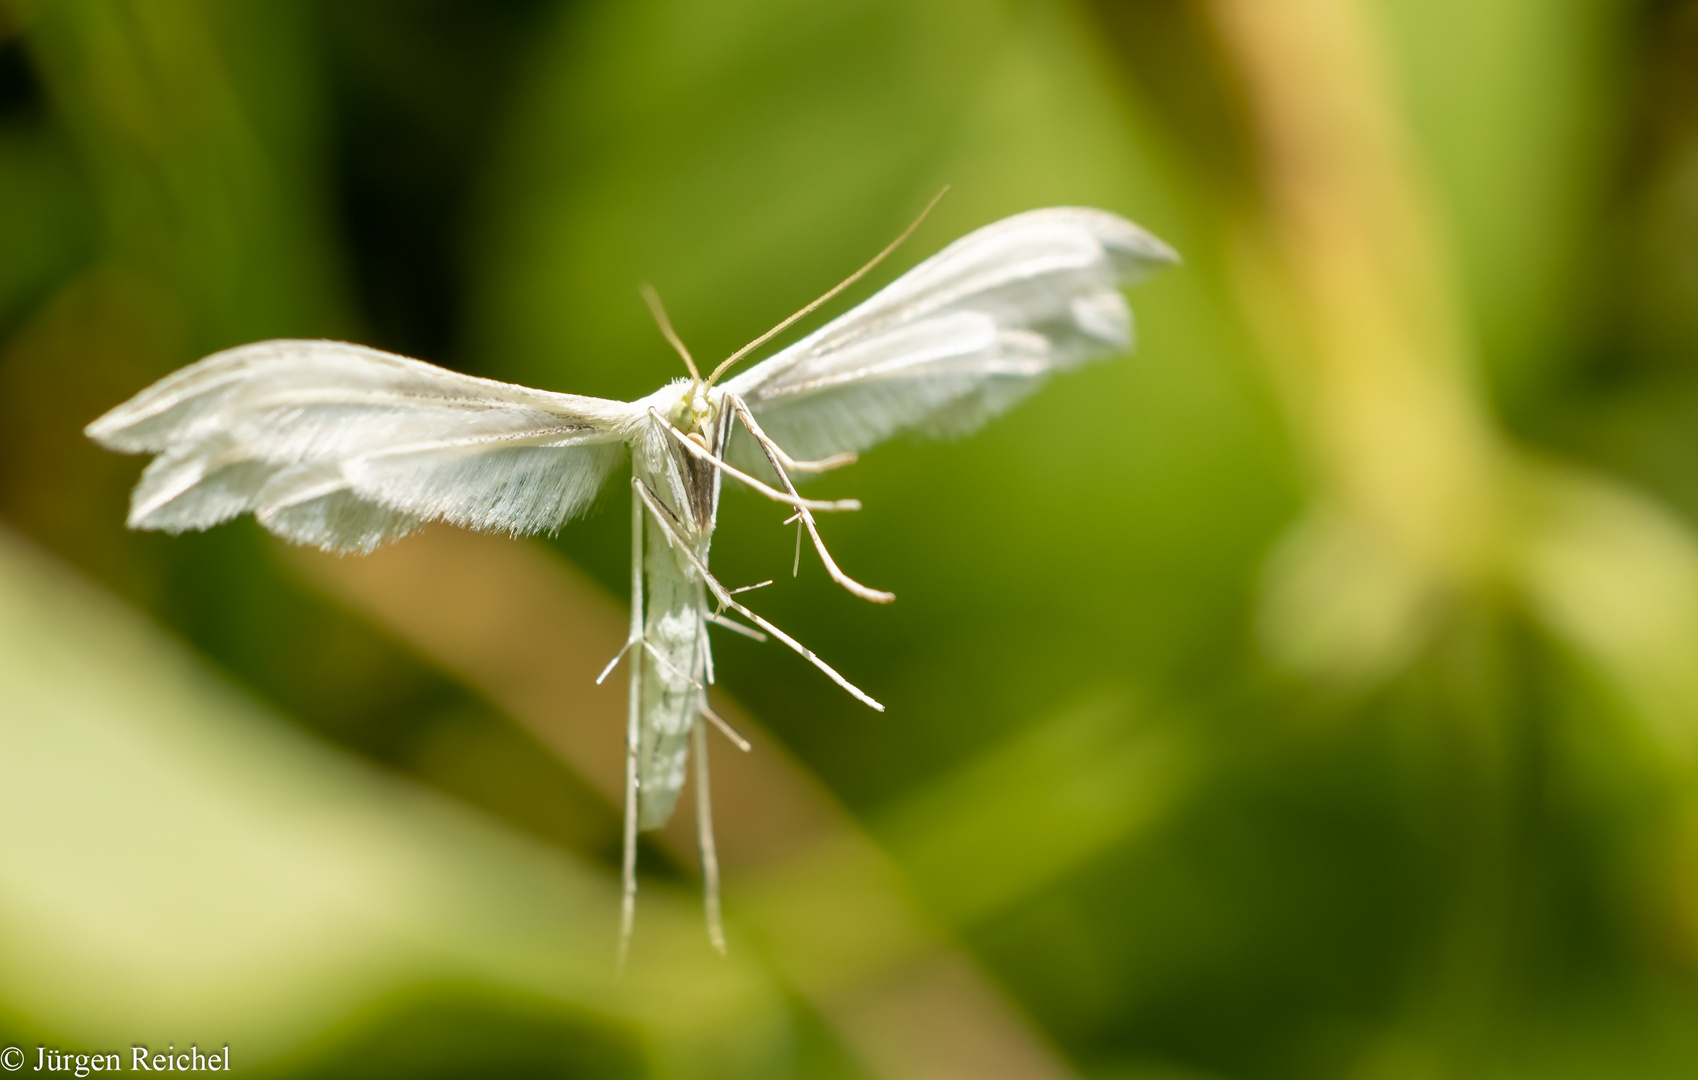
(345, 448)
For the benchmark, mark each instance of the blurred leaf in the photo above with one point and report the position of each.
(1616, 575)
(1512, 102)
(197, 125)
(45, 226)
(184, 867)
(1008, 824)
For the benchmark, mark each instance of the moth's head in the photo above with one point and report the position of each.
(694, 412)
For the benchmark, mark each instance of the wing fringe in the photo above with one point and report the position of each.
(958, 339)
(345, 448)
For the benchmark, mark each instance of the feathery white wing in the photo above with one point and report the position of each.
(959, 338)
(345, 447)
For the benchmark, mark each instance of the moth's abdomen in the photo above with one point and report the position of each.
(673, 678)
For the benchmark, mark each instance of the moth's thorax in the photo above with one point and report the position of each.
(683, 477)
(695, 412)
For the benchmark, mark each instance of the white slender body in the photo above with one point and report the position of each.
(678, 660)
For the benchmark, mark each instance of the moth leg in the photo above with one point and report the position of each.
(635, 637)
(791, 499)
(734, 626)
(775, 455)
(725, 728)
(633, 730)
(835, 461)
(660, 658)
(702, 634)
(723, 595)
(704, 837)
(618, 656)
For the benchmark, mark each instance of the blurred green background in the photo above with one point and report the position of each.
(1312, 694)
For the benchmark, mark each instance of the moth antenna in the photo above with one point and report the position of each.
(658, 310)
(833, 291)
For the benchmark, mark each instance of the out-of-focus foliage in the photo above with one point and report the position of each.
(1312, 694)
(183, 867)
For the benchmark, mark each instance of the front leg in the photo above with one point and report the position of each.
(776, 456)
(790, 499)
(664, 519)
